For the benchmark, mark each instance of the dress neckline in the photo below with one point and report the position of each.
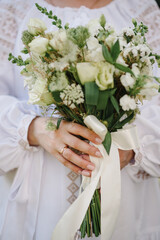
(80, 8)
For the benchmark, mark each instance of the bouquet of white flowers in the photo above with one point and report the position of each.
(89, 70)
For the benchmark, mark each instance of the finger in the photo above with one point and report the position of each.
(85, 132)
(77, 160)
(80, 145)
(72, 166)
(86, 157)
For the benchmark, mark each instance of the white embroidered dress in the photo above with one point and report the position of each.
(35, 189)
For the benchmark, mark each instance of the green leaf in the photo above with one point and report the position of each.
(123, 68)
(115, 50)
(107, 142)
(59, 121)
(115, 103)
(110, 120)
(103, 100)
(56, 96)
(91, 93)
(119, 125)
(112, 91)
(106, 54)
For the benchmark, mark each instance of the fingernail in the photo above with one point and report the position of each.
(90, 167)
(98, 140)
(98, 154)
(80, 172)
(85, 173)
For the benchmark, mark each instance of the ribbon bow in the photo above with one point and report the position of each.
(108, 169)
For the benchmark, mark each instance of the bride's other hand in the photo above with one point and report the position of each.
(57, 143)
(125, 157)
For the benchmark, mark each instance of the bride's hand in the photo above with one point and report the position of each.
(125, 157)
(57, 142)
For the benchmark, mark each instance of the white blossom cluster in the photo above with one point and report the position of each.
(72, 95)
(53, 53)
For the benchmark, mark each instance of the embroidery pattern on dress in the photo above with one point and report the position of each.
(73, 187)
(150, 16)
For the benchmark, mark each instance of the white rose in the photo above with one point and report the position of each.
(127, 103)
(39, 45)
(87, 72)
(39, 94)
(127, 80)
(36, 26)
(104, 78)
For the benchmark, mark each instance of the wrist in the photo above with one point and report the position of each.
(32, 136)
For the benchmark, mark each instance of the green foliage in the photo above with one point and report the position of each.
(115, 50)
(27, 37)
(25, 51)
(123, 68)
(107, 55)
(115, 103)
(140, 82)
(19, 61)
(91, 93)
(57, 21)
(107, 142)
(140, 29)
(111, 57)
(78, 35)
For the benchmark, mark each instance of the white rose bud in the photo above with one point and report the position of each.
(36, 26)
(39, 45)
(127, 103)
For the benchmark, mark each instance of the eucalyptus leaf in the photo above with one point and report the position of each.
(106, 54)
(107, 142)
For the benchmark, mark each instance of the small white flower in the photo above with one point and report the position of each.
(135, 69)
(94, 26)
(127, 103)
(72, 95)
(39, 45)
(127, 80)
(111, 39)
(128, 32)
(150, 89)
(36, 26)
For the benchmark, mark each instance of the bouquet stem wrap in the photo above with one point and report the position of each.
(108, 169)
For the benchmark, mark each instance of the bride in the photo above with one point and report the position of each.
(40, 174)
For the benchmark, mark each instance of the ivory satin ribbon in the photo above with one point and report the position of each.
(108, 169)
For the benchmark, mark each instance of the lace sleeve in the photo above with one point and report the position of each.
(11, 15)
(149, 13)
